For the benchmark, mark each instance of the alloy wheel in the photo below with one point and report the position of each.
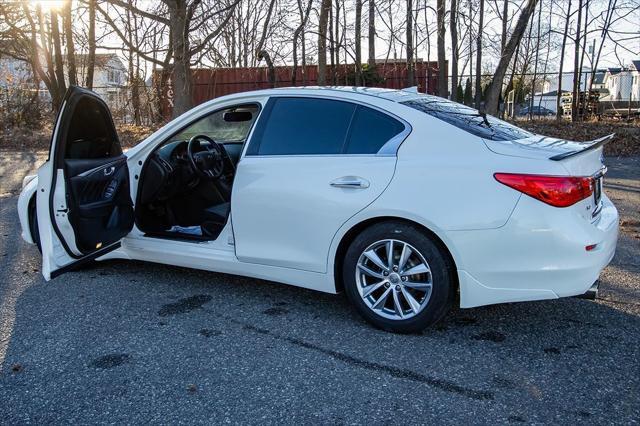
(394, 279)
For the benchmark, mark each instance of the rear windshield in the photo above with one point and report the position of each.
(468, 119)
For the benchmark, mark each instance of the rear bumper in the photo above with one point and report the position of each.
(538, 254)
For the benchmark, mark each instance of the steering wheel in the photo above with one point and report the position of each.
(208, 164)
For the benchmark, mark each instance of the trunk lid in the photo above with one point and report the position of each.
(579, 158)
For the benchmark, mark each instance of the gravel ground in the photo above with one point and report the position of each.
(140, 343)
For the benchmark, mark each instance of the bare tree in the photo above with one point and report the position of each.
(372, 33)
(409, 45)
(67, 23)
(495, 86)
(91, 55)
(442, 59)
(325, 7)
(535, 65)
(358, 43)
(453, 24)
(183, 17)
(478, 98)
(576, 65)
(304, 17)
(559, 110)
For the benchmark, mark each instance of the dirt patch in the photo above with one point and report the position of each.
(626, 142)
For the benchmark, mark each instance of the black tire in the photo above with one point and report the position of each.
(33, 223)
(442, 273)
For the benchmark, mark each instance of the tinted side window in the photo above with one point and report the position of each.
(91, 133)
(300, 126)
(370, 130)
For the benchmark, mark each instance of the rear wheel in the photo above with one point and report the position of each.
(397, 277)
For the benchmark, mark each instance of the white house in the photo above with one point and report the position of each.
(635, 84)
(623, 84)
(109, 76)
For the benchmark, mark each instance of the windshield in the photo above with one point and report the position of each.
(468, 119)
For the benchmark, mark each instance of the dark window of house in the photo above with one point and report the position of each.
(467, 119)
(370, 130)
(91, 133)
(302, 126)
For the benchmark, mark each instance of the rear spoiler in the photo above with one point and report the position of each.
(588, 146)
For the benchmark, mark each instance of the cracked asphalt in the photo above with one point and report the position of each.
(133, 342)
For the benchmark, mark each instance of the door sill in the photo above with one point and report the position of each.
(173, 236)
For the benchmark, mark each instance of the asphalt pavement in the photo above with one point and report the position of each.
(134, 342)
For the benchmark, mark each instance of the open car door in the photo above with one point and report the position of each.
(83, 203)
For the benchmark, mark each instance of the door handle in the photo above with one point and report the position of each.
(354, 182)
(109, 170)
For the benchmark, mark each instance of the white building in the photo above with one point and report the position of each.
(635, 84)
(109, 76)
(623, 84)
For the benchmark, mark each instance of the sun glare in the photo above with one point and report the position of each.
(49, 4)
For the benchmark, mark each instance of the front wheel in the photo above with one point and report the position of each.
(397, 277)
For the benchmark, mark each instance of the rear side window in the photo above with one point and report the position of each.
(370, 130)
(467, 119)
(308, 126)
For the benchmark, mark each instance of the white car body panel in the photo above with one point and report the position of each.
(506, 246)
(29, 186)
(285, 212)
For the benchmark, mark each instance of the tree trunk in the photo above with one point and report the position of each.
(495, 86)
(325, 7)
(505, 28)
(304, 15)
(584, 49)
(263, 54)
(559, 111)
(478, 99)
(59, 66)
(333, 57)
(576, 65)
(410, 71)
(605, 29)
(442, 59)
(358, 43)
(335, 22)
(372, 33)
(535, 65)
(91, 56)
(454, 49)
(67, 24)
(182, 86)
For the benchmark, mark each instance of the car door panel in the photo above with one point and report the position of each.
(100, 202)
(286, 211)
(84, 205)
(311, 164)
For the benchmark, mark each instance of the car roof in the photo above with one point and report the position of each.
(394, 95)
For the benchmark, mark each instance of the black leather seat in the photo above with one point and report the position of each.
(218, 213)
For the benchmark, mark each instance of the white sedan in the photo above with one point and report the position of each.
(406, 202)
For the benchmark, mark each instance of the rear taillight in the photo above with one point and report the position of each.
(558, 191)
